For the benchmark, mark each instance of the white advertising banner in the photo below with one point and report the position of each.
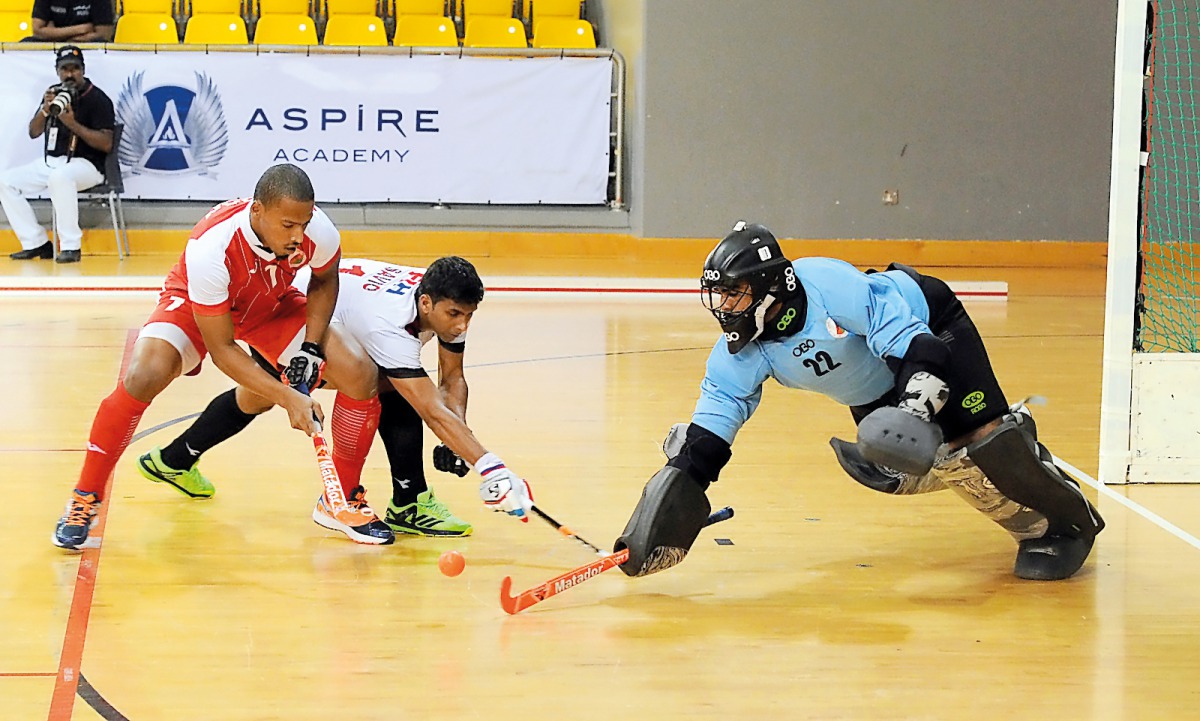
(366, 128)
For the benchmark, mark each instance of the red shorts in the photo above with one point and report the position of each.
(270, 336)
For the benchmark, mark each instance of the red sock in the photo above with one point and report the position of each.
(112, 428)
(354, 426)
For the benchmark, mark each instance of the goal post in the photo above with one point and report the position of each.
(1149, 425)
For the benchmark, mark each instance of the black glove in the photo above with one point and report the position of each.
(447, 461)
(303, 370)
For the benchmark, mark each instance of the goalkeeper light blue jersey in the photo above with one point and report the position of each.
(852, 322)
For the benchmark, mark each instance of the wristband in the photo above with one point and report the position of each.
(487, 463)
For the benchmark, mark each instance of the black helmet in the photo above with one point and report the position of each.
(748, 262)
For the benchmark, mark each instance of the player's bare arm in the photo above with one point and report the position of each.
(322, 296)
(452, 382)
(428, 402)
(236, 363)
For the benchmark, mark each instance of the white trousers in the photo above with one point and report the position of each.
(64, 178)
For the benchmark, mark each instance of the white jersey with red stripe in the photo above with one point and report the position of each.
(377, 304)
(224, 268)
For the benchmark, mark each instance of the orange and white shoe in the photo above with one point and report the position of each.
(71, 531)
(356, 520)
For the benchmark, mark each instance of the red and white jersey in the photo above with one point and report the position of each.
(377, 304)
(225, 270)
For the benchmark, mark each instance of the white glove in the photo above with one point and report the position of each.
(924, 395)
(503, 490)
(303, 370)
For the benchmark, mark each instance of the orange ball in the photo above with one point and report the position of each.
(451, 563)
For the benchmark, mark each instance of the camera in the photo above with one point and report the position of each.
(64, 95)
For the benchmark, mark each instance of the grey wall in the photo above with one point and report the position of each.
(992, 119)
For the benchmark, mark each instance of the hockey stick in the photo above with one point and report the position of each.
(566, 531)
(515, 604)
(329, 475)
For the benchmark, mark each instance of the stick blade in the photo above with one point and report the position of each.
(507, 601)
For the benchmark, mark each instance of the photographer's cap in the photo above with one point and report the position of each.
(67, 55)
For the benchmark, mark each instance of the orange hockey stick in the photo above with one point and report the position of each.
(329, 474)
(515, 604)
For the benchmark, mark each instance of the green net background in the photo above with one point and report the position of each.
(1171, 193)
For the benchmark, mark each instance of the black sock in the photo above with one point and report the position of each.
(220, 421)
(401, 431)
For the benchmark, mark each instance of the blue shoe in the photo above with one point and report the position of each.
(72, 529)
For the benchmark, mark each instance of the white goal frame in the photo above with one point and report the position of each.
(1149, 432)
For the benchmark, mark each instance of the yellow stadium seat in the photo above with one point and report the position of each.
(142, 7)
(494, 32)
(216, 7)
(546, 9)
(563, 33)
(350, 7)
(146, 28)
(285, 30)
(214, 29)
(425, 31)
(491, 8)
(437, 8)
(15, 26)
(365, 30)
(284, 7)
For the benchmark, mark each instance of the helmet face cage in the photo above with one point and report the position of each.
(715, 293)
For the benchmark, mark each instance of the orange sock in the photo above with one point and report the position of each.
(354, 426)
(112, 429)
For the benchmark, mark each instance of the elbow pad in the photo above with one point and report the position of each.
(703, 456)
(926, 353)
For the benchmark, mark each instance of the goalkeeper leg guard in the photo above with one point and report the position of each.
(1022, 469)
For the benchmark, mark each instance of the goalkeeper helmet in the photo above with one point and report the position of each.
(743, 276)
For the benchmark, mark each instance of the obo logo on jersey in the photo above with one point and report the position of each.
(171, 130)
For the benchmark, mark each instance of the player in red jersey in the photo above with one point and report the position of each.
(233, 283)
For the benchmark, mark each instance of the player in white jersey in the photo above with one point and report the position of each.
(898, 348)
(392, 311)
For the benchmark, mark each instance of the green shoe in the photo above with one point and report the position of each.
(189, 482)
(427, 517)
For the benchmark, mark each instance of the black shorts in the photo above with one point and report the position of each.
(975, 395)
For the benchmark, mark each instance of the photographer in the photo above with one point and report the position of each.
(77, 120)
(79, 21)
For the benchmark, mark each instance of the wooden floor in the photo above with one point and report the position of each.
(833, 602)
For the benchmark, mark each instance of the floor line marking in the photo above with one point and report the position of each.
(66, 684)
(1131, 505)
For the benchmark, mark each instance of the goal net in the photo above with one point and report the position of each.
(1150, 428)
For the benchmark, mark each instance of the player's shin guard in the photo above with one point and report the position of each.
(669, 516)
(354, 425)
(1022, 469)
(112, 428)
